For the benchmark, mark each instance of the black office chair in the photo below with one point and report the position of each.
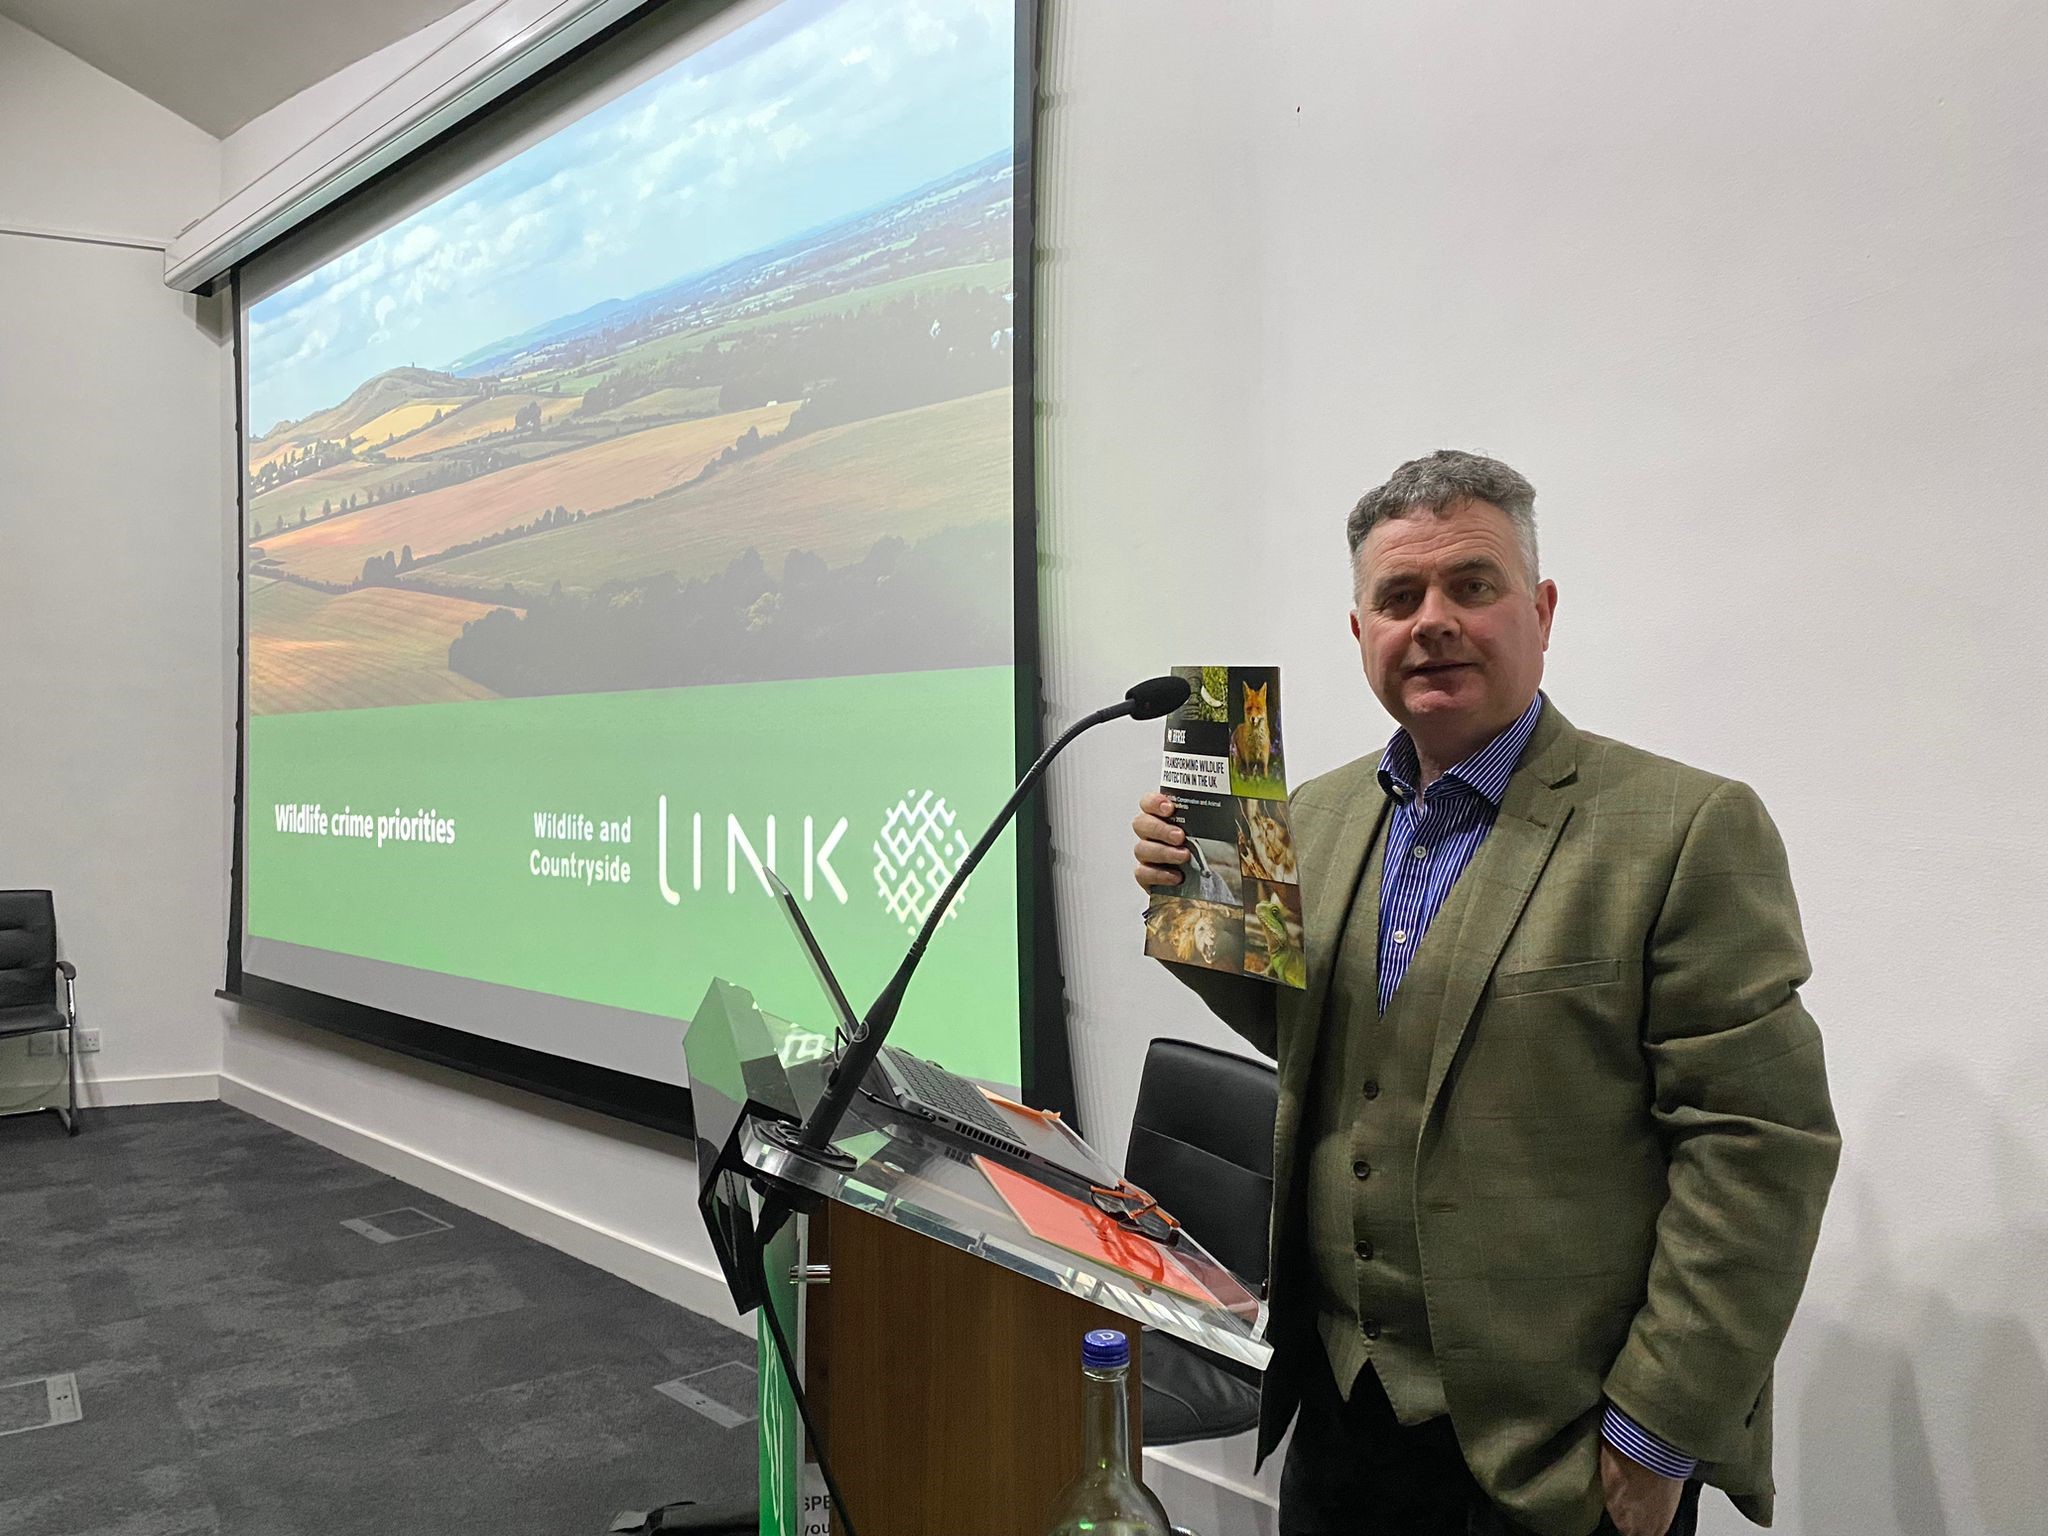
(29, 969)
(1202, 1146)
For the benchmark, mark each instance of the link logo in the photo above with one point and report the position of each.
(916, 852)
(919, 848)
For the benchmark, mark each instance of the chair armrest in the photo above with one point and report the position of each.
(68, 970)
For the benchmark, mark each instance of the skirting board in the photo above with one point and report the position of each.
(1204, 1500)
(667, 1275)
(96, 1092)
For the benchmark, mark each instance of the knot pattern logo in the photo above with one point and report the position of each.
(919, 847)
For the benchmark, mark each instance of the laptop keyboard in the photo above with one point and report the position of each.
(944, 1090)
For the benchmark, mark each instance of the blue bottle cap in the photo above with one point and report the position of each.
(1105, 1349)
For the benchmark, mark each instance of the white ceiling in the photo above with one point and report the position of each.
(219, 63)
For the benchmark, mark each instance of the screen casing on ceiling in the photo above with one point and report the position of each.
(510, 44)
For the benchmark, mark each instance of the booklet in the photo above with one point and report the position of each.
(1238, 906)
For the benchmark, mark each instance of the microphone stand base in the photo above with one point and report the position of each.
(790, 1139)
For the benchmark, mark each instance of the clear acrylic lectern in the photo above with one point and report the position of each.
(936, 1328)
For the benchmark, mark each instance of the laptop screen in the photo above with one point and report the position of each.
(842, 1011)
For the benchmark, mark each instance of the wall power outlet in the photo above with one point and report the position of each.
(42, 1045)
(88, 1041)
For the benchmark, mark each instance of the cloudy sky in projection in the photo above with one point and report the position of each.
(810, 112)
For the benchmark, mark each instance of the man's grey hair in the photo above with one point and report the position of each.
(1441, 481)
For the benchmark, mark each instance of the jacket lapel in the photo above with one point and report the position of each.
(1330, 866)
(1327, 893)
(1532, 816)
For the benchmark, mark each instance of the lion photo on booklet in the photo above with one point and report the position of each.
(1195, 933)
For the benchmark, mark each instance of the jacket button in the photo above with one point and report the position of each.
(1362, 1168)
(1364, 1249)
(1371, 1327)
(1372, 1087)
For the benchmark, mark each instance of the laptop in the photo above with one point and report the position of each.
(945, 1101)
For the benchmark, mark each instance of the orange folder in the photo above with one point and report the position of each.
(1080, 1227)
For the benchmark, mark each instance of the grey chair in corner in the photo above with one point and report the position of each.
(29, 971)
(1202, 1146)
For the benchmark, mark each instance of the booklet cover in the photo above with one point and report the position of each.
(1238, 906)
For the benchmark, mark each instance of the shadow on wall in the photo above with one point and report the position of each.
(1932, 1420)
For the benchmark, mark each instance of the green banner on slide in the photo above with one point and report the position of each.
(605, 847)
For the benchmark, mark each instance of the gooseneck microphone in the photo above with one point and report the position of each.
(812, 1140)
(1148, 700)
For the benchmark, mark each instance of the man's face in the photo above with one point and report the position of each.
(1451, 635)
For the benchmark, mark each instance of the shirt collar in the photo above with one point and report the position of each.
(1486, 771)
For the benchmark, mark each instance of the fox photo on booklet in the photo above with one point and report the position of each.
(1238, 907)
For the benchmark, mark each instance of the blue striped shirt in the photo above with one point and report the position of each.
(1432, 835)
(1434, 832)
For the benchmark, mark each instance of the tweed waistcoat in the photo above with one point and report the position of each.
(1366, 1095)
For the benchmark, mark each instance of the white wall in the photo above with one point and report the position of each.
(84, 152)
(1752, 293)
(114, 772)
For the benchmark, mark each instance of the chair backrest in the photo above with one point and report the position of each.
(1202, 1146)
(28, 948)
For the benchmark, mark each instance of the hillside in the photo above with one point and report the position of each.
(373, 398)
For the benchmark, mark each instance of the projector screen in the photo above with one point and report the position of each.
(631, 504)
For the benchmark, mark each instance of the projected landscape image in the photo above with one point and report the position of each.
(712, 386)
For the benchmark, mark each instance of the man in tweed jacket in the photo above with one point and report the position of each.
(1554, 1134)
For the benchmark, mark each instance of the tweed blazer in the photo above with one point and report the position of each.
(1626, 1139)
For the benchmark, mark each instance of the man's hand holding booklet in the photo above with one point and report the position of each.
(1238, 905)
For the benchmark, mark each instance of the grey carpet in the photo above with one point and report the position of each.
(246, 1364)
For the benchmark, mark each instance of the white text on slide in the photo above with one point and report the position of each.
(423, 826)
(583, 869)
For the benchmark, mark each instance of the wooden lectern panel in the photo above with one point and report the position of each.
(950, 1388)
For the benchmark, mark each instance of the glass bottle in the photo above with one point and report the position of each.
(1107, 1499)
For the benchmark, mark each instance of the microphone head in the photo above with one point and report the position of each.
(1158, 696)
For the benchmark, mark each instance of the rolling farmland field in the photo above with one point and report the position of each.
(833, 492)
(353, 650)
(588, 479)
(402, 419)
(699, 400)
(330, 487)
(481, 419)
